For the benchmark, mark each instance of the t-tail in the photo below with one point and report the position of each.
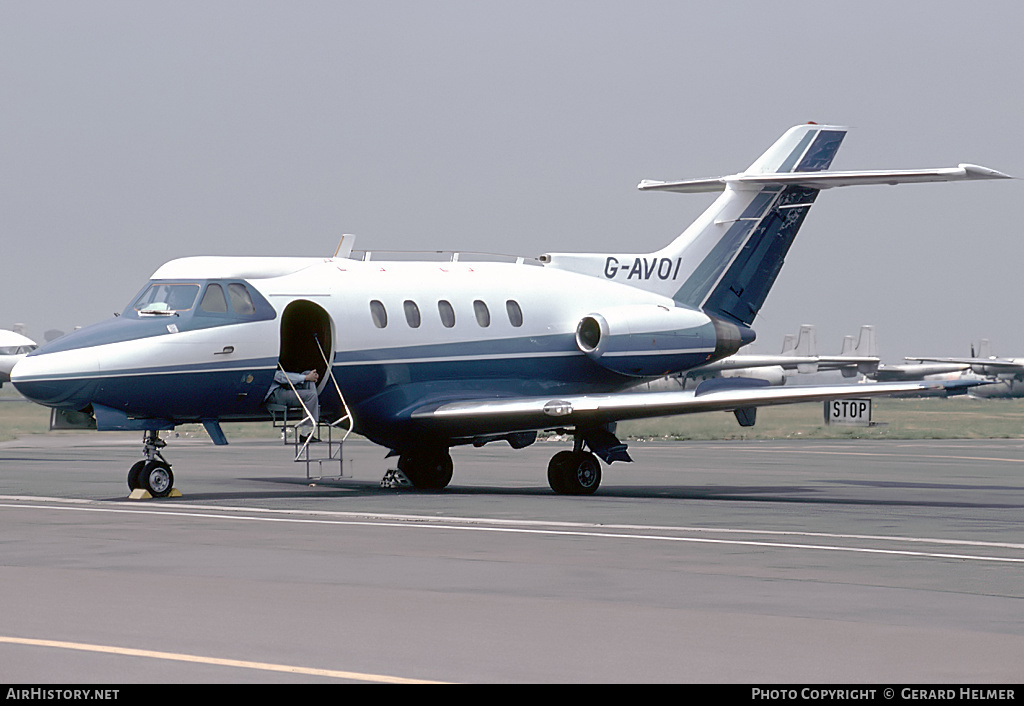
(726, 262)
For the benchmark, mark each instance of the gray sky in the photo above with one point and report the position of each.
(135, 132)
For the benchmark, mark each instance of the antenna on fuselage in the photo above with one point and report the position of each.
(345, 245)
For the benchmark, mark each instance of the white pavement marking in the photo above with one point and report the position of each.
(534, 527)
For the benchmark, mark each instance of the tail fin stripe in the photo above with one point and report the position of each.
(760, 204)
(744, 287)
(820, 154)
(709, 271)
(798, 152)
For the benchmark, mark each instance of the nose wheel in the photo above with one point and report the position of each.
(153, 474)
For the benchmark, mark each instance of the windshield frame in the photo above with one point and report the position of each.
(171, 289)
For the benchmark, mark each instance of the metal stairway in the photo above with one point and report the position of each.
(329, 448)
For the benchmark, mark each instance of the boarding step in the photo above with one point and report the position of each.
(326, 443)
(324, 451)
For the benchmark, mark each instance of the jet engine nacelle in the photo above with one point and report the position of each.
(651, 340)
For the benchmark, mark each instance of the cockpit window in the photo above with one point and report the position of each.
(214, 301)
(240, 299)
(167, 298)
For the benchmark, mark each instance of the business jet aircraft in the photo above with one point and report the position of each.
(13, 347)
(423, 356)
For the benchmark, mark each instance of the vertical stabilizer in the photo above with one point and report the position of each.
(807, 340)
(728, 259)
(789, 344)
(807, 347)
(734, 257)
(866, 344)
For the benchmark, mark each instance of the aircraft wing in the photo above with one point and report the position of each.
(713, 395)
(834, 362)
(1007, 363)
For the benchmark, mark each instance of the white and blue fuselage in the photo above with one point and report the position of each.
(399, 335)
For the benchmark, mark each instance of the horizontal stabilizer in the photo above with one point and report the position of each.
(826, 180)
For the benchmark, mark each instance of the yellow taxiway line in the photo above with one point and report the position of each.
(199, 659)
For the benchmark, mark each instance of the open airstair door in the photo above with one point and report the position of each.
(307, 341)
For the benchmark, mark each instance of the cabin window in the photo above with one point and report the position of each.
(379, 314)
(213, 301)
(412, 313)
(483, 316)
(240, 299)
(167, 298)
(515, 314)
(444, 308)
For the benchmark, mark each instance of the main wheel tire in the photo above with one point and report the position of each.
(156, 477)
(574, 473)
(427, 470)
(558, 469)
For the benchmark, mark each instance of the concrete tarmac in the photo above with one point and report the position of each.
(864, 562)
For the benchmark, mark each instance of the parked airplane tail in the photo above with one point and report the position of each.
(849, 344)
(735, 251)
(867, 345)
(726, 262)
(804, 345)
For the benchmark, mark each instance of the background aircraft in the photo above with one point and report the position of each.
(1006, 375)
(13, 347)
(799, 356)
(867, 345)
(422, 356)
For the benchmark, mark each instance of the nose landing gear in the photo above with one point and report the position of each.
(153, 474)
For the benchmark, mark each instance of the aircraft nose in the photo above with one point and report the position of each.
(7, 363)
(65, 379)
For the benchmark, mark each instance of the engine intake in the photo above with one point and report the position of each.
(650, 340)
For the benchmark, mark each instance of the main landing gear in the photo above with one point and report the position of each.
(152, 474)
(569, 473)
(578, 472)
(427, 469)
(574, 473)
